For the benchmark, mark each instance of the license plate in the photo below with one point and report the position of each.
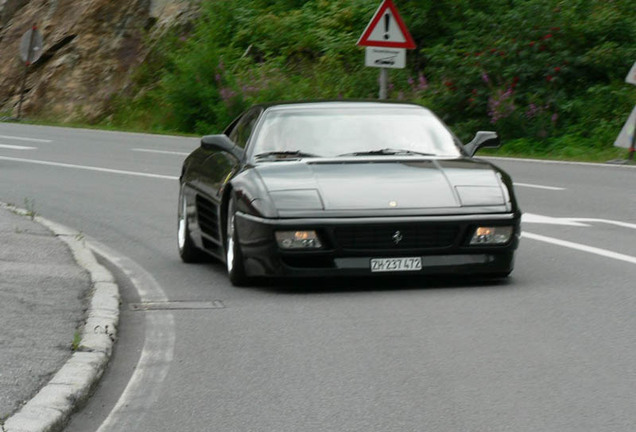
(396, 264)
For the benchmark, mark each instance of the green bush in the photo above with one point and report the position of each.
(546, 74)
(537, 68)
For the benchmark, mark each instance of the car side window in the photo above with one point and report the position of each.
(230, 131)
(241, 133)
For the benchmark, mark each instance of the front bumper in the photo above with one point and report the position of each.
(448, 253)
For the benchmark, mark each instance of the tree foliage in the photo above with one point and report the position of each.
(532, 69)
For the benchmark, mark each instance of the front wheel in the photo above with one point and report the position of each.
(188, 252)
(233, 254)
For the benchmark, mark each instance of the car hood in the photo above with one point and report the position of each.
(381, 184)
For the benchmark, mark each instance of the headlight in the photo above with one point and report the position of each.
(494, 235)
(298, 240)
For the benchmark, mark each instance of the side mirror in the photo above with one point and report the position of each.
(221, 143)
(483, 139)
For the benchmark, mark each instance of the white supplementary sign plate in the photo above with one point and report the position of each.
(631, 76)
(392, 58)
(396, 264)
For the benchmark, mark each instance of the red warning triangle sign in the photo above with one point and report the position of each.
(387, 29)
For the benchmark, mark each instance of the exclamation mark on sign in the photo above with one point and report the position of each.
(387, 20)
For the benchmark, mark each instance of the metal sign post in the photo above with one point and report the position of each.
(384, 83)
(30, 52)
(387, 39)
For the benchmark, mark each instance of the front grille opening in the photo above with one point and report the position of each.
(208, 217)
(396, 237)
(308, 261)
(211, 246)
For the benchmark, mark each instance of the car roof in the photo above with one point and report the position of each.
(338, 104)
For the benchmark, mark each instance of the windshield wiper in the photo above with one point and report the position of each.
(387, 152)
(284, 154)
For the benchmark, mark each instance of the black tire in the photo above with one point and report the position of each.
(233, 255)
(188, 252)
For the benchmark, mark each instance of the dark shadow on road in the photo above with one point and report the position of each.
(383, 283)
(379, 283)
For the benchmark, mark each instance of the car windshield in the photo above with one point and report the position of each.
(353, 131)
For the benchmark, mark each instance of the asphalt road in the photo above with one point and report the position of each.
(550, 349)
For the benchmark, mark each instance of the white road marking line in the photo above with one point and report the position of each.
(558, 162)
(581, 247)
(160, 151)
(605, 221)
(540, 219)
(146, 383)
(25, 139)
(90, 168)
(16, 147)
(580, 222)
(528, 185)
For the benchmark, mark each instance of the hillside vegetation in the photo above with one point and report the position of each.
(548, 75)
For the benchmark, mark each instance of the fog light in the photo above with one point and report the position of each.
(494, 235)
(298, 240)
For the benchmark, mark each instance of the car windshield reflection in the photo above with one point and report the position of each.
(353, 131)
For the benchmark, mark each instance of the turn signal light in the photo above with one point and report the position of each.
(298, 240)
(494, 235)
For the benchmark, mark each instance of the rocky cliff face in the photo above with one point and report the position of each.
(90, 49)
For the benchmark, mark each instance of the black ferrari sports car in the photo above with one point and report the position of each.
(346, 188)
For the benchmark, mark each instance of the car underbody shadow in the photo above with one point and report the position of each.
(383, 283)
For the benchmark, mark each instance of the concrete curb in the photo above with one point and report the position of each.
(71, 386)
